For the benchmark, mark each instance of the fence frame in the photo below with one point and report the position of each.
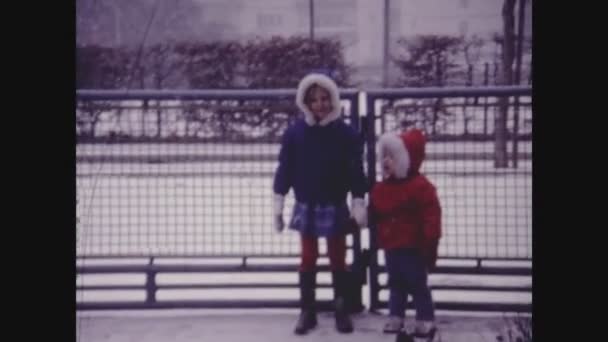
(365, 261)
(374, 268)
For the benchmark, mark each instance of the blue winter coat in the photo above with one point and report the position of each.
(322, 164)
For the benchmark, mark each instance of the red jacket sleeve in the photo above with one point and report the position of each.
(431, 217)
(431, 213)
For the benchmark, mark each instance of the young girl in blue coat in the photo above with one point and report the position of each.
(321, 159)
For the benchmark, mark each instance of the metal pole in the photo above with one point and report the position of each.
(312, 19)
(374, 286)
(386, 43)
(520, 40)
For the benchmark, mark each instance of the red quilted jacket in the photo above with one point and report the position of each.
(407, 210)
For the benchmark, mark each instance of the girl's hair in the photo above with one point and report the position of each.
(308, 93)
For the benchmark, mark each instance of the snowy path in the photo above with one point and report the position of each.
(253, 326)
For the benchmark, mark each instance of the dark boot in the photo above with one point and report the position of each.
(353, 293)
(403, 336)
(308, 314)
(340, 284)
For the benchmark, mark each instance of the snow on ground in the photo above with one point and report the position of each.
(484, 216)
(217, 208)
(262, 326)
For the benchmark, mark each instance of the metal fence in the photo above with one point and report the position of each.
(181, 173)
(180, 183)
(486, 210)
(185, 177)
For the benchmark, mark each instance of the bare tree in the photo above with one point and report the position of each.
(428, 60)
(508, 57)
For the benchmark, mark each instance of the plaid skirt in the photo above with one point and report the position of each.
(320, 220)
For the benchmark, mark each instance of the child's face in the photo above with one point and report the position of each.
(388, 164)
(319, 102)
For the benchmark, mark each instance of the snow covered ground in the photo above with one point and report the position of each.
(262, 326)
(224, 207)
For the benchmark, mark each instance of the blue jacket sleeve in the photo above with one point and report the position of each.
(283, 177)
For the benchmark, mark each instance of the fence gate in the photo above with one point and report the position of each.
(479, 157)
(174, 192)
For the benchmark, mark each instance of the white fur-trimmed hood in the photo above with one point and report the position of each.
(326, 83)
(392, 142)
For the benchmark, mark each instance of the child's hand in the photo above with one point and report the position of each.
(278, 204)
(279, 224)
(359, 212)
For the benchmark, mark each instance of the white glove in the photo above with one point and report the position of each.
(279, 202)
(359, 211)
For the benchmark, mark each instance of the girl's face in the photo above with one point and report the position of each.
(318, 101)
(388, 164)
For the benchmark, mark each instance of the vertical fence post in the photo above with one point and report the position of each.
(354, 111)
(143, 118)
(158, 119)
(515, 131)
(486, 79)
(371, 173)
(520, 29)
(150, 284)
(358, 265)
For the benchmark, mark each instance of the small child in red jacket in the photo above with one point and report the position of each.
(407, 213)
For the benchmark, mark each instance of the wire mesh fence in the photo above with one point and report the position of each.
(192, 176)
(190, 173)
(483, 178)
